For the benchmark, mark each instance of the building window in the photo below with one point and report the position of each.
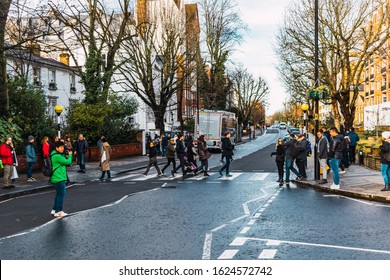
(37, 77)
(72, 84)
(52, 80)
(384, 98)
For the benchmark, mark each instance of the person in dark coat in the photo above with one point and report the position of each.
(290, 158)
(191, 154)
(170, 154)
(385, 159)
(180, 152)
(335, 154)
(354, 139)
(227, 151)
(204, 155)
(152, 159)
(322, 153)
(81, 151)
(280, 158)
(301, 145)
(164, 144)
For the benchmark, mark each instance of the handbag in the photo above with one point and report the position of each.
(14, 173)
(104, 157)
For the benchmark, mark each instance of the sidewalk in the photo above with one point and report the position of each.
(358, 182)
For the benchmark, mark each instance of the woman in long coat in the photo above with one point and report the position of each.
(105, 156)
(204, 155)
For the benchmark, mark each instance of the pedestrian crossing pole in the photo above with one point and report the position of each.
(316, 101)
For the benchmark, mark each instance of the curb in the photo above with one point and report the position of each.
(370, 197)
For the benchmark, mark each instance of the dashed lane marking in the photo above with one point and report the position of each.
(228, 255)
(268, 254)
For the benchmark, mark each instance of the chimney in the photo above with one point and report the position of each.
(64, 58)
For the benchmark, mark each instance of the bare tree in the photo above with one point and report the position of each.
(348, 40)
(223, 31)
(250, 92)
(97, 28)
(154, 65)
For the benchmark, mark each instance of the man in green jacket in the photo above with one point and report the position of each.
(59, 177)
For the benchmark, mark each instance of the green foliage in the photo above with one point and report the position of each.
(189, 125)
(111, 119)
(28, 107)
(9, 129)
(92, 77)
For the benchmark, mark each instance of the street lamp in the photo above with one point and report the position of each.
(304, 108)
(316, 82)
(58, 109)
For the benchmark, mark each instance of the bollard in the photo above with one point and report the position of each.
(361, 158)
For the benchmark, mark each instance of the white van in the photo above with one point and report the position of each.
(282, 125)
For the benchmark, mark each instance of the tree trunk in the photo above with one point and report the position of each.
(4, 99)
(159, 113)
(335, 109)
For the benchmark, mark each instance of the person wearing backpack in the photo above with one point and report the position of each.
(59, 177)
(385, 159)
(335, 154)
(290, 158)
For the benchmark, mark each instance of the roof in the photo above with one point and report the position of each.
(25, 55)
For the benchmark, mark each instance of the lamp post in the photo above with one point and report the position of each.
(58, 109)
(304, 108)
(316, 105)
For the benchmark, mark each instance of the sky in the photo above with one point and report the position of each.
(256, 52)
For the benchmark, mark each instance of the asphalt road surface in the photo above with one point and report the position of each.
(245, 217)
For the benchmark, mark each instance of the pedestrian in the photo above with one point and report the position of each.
(100, 142)
(170, 154)
(191, 155)
(6, 154)
(322, 151)
(227, 149)
(280, 159)
(164, 144)
(45, 148)
(301, 146)
(335, 154)
(187, 139)
(326, 133)
(180, 152)
(354, 139)
(31, 158)
(80, 151)
(59, 177)
(105, 155)
(157, 143)
(346, 161)
(152, 159)
(385, 159)
(204, 155)
(291, 155)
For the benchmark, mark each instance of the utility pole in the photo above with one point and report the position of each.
(316, 110)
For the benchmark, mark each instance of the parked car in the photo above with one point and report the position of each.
(282, 125)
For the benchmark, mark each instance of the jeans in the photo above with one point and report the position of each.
(334, 165)
(30, 166)
(290, 166)
(385, 168)
(81, 159)
(60, 196)
(226, 165)
(170, 160)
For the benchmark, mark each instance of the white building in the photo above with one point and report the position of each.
(376, 115)
(58, 81)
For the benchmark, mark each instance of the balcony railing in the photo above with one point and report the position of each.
(371, 77)
(383, 87)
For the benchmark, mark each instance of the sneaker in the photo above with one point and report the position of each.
(342, 172)
(323, 181)
(299, 178)
(52, 212)
(287, 181)
(60, 214)
(101, 179)
(229, 175)
(33, 179)
(30, 180)
(159, 174)
(108, 179)
(334, 187)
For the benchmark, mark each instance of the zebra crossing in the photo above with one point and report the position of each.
(214, 177)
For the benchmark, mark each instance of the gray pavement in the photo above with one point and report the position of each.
(358, 182)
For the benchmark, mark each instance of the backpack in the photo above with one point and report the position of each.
(47, 169)
(295, 151)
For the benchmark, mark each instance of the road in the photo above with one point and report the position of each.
(245, 217)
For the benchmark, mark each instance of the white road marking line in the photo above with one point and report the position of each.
(324, 245)
(268, 254)
(228, 255)
(258, 177)
(238, 219)
(257, 215)
(235, 175)
(163, 185)
(245, 230)
(124, 177)
(239, 241)
(213, 182)
(129, 183)
(207, 246)
(251, 222)
(218, 228)
(360, 201)
(273, 243)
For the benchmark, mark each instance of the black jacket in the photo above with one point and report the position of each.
(302, 147)
(280, 153)
(153, 152)
(180, 148)
(171, 150)
(336, 147)
(385, 148)
(288, 145)
(227, 147)
(323, 148)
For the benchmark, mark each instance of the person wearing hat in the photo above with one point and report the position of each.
(385, 159)
(59, 177)
(170, 154)
(31, 157)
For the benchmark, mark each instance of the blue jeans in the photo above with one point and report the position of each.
(385, 168)
(60, 196)
(290, 166)
(334, 165)
(81, 159)
(30, 166)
